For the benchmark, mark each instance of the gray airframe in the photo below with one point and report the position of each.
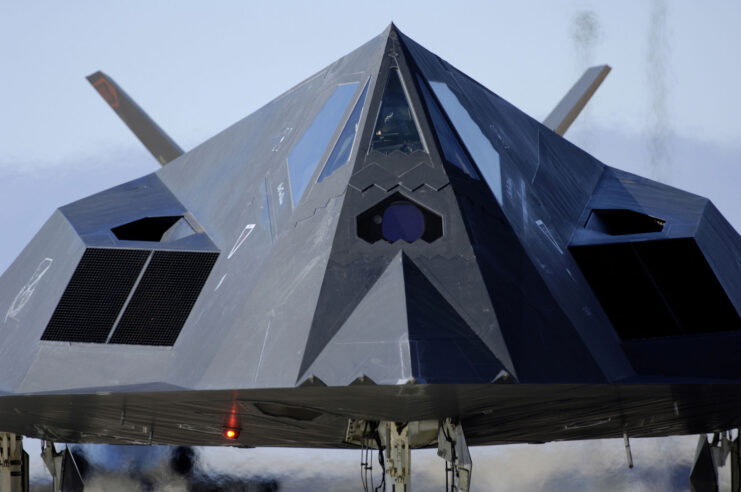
(386, 256)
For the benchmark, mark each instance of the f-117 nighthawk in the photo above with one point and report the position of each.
(387, 256)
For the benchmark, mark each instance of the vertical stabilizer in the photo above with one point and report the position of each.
(574, 101)
(162, 147)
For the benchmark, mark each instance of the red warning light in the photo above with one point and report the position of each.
(231, 426)
(231, 433)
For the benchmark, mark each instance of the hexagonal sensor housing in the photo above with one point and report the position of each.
(399, 218)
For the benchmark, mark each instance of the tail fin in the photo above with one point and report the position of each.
(574, 101)
(162, 147)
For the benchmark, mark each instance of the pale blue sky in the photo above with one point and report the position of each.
(199, 67)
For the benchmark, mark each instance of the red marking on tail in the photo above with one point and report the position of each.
(108, 92)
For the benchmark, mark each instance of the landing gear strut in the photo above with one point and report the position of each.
(709, 456)
(395, 441)
(13, 463)
(64, 472)
(451, 446)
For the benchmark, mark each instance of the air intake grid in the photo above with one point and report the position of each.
(164, 297)
(95, 295)
(143, 297)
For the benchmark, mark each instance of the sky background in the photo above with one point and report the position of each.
(669, 111)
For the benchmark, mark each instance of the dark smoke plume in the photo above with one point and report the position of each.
(586, 33)
(657, 77)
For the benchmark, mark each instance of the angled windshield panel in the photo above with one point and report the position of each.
(307, 153)
(341, 153)
(480, 148)
(395, 127)
(448, 141)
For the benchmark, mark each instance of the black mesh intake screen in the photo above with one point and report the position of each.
(95, 295)
(164, 297)
(653, 289)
